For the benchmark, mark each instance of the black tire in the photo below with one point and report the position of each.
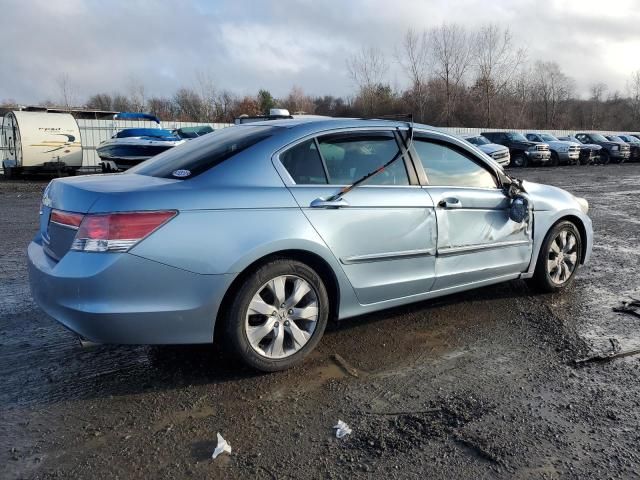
(235, 320)
(604, 158)
(620, 161)
(542, 279)
(8, 173)
(554, 161)
(519, 160)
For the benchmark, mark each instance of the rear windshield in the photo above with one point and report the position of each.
(200, 154)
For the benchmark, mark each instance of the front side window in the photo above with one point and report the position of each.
(515, 137)
(446, 166)
(350, 156)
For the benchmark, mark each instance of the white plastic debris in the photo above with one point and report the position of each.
(223, 446)
(342, 429)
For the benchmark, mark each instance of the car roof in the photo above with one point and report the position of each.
(334, 122)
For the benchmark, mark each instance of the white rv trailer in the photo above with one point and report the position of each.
(40, 142)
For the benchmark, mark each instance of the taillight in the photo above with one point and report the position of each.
(117, 232)
(66, 219)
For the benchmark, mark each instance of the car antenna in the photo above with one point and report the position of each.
(366, 177)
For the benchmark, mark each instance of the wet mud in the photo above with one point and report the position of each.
(481, 384)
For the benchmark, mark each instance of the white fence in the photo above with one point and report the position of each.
(92, 132)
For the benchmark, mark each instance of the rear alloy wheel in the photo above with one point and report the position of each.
(559, 258)
(278, 316)
(519, 160)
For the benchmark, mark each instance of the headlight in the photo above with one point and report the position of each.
(615, 148)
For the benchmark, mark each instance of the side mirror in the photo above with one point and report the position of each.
(519, 209)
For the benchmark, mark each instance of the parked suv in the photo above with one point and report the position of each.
(499, 153)
(611, 151)
(523, 152)
(633, 142)
(589, 152)
(562, 151)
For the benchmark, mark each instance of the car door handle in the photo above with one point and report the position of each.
(450, 203)
(322, 203)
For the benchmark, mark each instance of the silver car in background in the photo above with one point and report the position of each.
(499, 153)
(257, 234)
(562, 151)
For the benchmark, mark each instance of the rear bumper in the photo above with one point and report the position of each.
(126, 299)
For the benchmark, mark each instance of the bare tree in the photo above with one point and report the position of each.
(367, 69)
(451, 53)
(208, 93)
(633, 90)
(100, 101)
(298, 102)
(497, 60)
(414, 59)
(137, 97)
(66, 90)
(552, 88)
(597, 91)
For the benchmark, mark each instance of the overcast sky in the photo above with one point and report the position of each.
(244, 45)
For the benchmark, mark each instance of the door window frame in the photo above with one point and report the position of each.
(459, 147)
(290, 182)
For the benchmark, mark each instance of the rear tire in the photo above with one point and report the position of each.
(558, 258)
(277, 316)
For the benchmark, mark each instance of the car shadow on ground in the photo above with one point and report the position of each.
(112, 370)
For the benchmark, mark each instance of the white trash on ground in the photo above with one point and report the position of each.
(342, 429)
(223, 446)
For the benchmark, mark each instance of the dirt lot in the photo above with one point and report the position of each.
(476, 385)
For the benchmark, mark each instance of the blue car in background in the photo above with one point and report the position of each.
(261, 232)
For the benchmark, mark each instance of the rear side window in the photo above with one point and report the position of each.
(203, 153)
(304, 164)
(448, 167)
(350, 156)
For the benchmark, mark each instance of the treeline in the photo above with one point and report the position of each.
(455, 77)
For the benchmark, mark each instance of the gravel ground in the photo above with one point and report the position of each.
(475, 385)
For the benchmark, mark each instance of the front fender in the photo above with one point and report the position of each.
(542, 223)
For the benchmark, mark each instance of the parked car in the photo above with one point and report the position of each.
(611, 151)
(257, 234)
(523, 152)
(499, 153)
(562, 151)
(633, 142)
(589, 152)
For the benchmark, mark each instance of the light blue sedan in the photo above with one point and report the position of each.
(259, 233)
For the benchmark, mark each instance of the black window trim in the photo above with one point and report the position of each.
(422, 174)
(290, 182)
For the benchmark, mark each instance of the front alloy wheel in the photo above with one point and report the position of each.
(278, 315)
(558, 259)
(562, 258)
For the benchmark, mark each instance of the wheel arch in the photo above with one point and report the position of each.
(582, 230)
(313, 260)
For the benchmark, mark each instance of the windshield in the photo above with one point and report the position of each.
(146, 132)
(614, 138)
(201, 154)
(547, 137)
(479, 140)
(596, 137)
(516, 137)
